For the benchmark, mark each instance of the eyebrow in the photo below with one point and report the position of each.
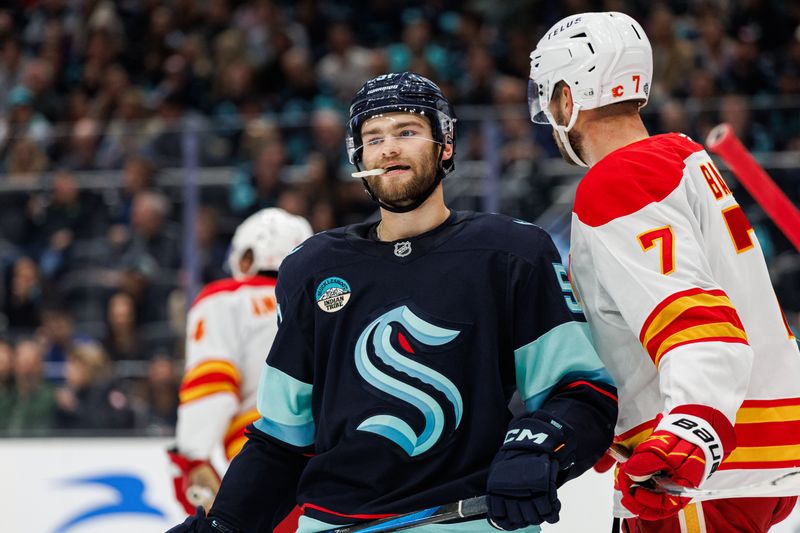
(397, 126)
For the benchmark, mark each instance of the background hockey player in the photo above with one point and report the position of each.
(674, 286)
(231, 326)
(400, 344)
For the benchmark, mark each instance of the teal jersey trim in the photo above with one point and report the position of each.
(566, 351)
(284, 404)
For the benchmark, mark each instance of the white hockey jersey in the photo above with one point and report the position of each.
(676, 291)
(230, 329)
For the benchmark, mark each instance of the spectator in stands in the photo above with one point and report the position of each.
(735, 110)
(34, 404)
(57, 333)
(25, 162)
(12, 64)
(211, 250)
(300, 89)
(122, 340)
(64, 216)
(153, 236)
(418, 52)
(258, 186)
(137, 176)
(38, 76)
(346, 66)
(81, 146)
(123, 136)
(23, 121)
(22, 305)
(714, 50)
(476, 86)
(156, 398)
(151, 257)
(6, 382)
(673, 56)
(749, 73)
(89, 398)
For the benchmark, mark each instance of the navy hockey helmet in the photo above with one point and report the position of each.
(401, 92)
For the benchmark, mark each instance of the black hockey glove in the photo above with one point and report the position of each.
(523, 477)
(200, 524)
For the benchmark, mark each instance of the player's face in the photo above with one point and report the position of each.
(401, 143)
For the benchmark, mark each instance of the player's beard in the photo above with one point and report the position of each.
(575, 140)
(423, 170)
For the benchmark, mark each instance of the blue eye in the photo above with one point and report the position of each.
(373, 142)
(407, 133)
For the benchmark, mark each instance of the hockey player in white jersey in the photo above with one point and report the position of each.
(230, 328)
(675, 288)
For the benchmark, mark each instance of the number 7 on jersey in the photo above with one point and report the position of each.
(665, 239)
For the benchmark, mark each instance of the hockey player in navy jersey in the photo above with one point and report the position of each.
(400, 344)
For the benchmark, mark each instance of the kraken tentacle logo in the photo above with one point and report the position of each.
(378, 335)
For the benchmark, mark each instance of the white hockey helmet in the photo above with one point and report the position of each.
(604, 58)
(271, 234)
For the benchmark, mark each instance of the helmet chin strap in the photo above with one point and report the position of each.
(563, 132)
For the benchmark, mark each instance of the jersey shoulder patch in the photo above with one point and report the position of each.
(229, 285)
(632, 177)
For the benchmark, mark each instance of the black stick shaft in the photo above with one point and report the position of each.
(433, 515)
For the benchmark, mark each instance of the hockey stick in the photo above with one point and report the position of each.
(773, 487)
(461, 509)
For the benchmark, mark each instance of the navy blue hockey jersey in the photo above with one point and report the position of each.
(387, 386)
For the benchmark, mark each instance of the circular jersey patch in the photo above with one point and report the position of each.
(333, 294)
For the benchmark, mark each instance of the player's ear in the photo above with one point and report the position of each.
(447, 148)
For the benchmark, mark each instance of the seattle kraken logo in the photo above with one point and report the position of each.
(378, 334)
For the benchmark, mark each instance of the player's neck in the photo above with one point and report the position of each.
(601, 137)
(432, 213)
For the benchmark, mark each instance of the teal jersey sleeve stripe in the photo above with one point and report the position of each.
(543, 363)
(536, 401)
(284, 404)
(300, 436)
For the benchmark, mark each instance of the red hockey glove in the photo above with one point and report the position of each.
(687, 446)
(196, 482)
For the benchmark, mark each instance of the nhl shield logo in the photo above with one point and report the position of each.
(402, 249)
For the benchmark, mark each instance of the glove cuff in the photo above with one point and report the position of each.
(542, 433)
(704, 427)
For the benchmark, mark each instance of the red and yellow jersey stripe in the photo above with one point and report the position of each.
(767, 435)
(693, 315)
(212, 376)
(234, 437)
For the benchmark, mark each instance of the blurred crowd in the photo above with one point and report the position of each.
(92, 303)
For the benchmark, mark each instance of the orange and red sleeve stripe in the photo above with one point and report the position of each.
(234, 437)
(209, 377)
(694, 315)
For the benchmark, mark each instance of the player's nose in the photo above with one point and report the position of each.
(390, 146)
